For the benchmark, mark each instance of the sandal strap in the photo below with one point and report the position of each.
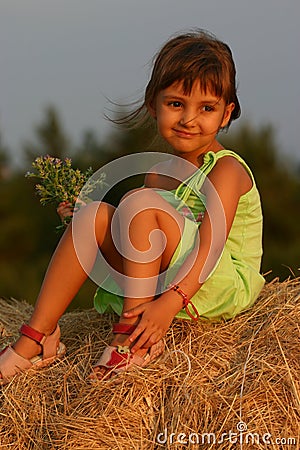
(123, 328)
(33, 334)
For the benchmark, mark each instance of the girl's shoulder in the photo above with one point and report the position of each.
(230, 168)
(211, 158)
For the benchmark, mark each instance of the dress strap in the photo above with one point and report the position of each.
(211, 158)
(195, 182)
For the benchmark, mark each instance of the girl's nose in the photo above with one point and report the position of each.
(188, 119)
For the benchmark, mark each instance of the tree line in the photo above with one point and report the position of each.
(28, 235)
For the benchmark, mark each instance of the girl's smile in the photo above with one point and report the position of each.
(185, 134)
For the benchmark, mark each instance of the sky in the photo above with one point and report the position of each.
(77, 54)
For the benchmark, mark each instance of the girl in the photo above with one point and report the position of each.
(188, 242)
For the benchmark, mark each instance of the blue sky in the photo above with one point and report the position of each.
(74, 54)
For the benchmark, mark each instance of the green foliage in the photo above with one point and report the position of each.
(4, 159)
(28, 237)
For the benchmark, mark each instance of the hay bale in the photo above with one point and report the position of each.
(221, 385)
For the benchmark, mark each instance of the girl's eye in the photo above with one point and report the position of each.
(175, 104)
(208, 108)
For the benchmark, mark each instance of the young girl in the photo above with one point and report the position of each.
(190, 240)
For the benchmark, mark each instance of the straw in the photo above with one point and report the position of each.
(233, 384)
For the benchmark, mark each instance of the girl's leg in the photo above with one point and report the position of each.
(139, 216)
(150, 232)
(65, 274)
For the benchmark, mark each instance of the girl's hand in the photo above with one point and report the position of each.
(64, 210)
(155, 321)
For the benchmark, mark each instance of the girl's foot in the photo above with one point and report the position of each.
(32, 350)
(27, 347)
(117, 357)
(119, 339)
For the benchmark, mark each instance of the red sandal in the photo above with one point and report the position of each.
(119, 358)
(11, 363)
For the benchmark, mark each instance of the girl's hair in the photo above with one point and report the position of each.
(195, 55)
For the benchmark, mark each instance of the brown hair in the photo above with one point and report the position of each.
(195, 55)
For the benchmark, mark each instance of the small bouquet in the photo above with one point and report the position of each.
(59, 182)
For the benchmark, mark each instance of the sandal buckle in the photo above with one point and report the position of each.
(123, 349)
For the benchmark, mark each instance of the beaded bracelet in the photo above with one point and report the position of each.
(186, 301)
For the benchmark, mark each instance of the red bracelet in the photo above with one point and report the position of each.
(186, 301)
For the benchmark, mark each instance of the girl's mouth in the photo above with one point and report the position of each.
(184, 134)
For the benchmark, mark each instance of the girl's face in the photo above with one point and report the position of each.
(190, 123)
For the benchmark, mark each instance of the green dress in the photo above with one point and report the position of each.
(235, 282)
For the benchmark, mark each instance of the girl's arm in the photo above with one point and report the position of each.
(223, 189)
(227, 182)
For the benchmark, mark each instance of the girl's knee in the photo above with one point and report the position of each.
(95, 219)
(140, 199)
(94, 214)
(104, 213)
(137, 193)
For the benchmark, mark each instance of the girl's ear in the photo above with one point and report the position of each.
(227, 114)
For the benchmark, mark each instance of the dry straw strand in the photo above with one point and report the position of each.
(212, 376)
